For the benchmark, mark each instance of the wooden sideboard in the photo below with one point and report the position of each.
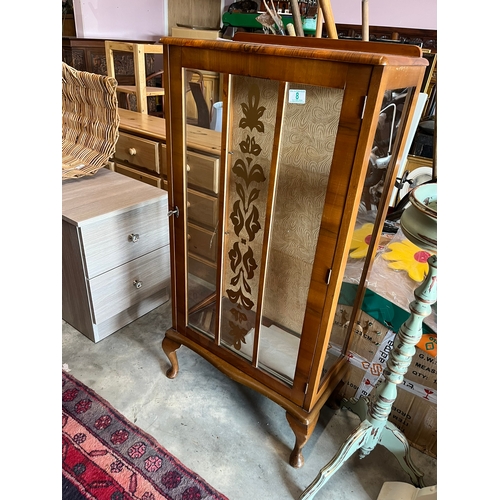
(141, 149)
(88, 54)
(141, 154)
(425, 38)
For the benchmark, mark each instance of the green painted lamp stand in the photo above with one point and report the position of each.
(419, 224)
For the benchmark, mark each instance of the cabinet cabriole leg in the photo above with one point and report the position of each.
(169, 348)
(302, 433)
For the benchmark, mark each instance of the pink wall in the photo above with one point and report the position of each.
(147, 19)
(396, 13)
(120, 19)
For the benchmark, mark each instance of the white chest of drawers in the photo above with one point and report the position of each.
(115, 252)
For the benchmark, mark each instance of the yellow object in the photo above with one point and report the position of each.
(406, 256)
(360, 241)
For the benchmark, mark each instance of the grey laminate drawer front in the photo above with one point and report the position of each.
(110, 242)
(124, 286)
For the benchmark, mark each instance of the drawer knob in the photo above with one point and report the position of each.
(188, 168)
(188, 204)
(133, 237)
(132, 151)
(137, 283)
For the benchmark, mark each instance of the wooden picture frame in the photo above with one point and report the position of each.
(429, 71)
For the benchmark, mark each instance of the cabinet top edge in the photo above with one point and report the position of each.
(307, 50)
(105, 194)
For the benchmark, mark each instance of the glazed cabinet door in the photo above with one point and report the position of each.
(270, 198)
(273, 210)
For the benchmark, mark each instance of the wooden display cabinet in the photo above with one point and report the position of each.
(303, 130)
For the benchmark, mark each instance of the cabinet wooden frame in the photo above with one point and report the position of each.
(364, 76)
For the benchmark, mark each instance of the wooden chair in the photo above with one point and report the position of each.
(197, 89)
(141, 90)
(89, 122)
(150, 79)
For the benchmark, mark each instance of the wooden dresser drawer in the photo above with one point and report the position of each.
(202, 242)
(202, 209)
(128, 284)
(202, 269)
(138, 151)
(138, 176)
(203, 172)
(110, 242)
(163, 159)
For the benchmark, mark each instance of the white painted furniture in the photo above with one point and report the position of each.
(115, 252)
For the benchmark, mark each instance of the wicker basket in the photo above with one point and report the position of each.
(89, 122)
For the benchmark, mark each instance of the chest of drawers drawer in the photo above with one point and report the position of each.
(202, 242)
(128, 284)
(138, 151)
(112, 241)
(133, 173)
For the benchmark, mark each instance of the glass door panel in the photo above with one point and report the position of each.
(310, 121)
(266, 280)
(201, 200)
(253, 118)
(386, 148)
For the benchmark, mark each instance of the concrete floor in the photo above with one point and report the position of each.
(236, 439)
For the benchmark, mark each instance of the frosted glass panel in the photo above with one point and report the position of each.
(310, 122)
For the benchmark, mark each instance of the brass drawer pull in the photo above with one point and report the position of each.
(132, 151)
(133, 237)
(137, 283)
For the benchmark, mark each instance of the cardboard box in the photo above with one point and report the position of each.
(414, 411)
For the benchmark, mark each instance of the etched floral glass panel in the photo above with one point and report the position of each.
(269, 249)
(251, 147)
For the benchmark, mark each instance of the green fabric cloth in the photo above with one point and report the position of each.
(379, 308)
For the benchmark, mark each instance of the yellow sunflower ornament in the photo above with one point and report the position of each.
(406, 256)
(361, 240)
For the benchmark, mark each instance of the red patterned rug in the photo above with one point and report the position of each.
(106, 457)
